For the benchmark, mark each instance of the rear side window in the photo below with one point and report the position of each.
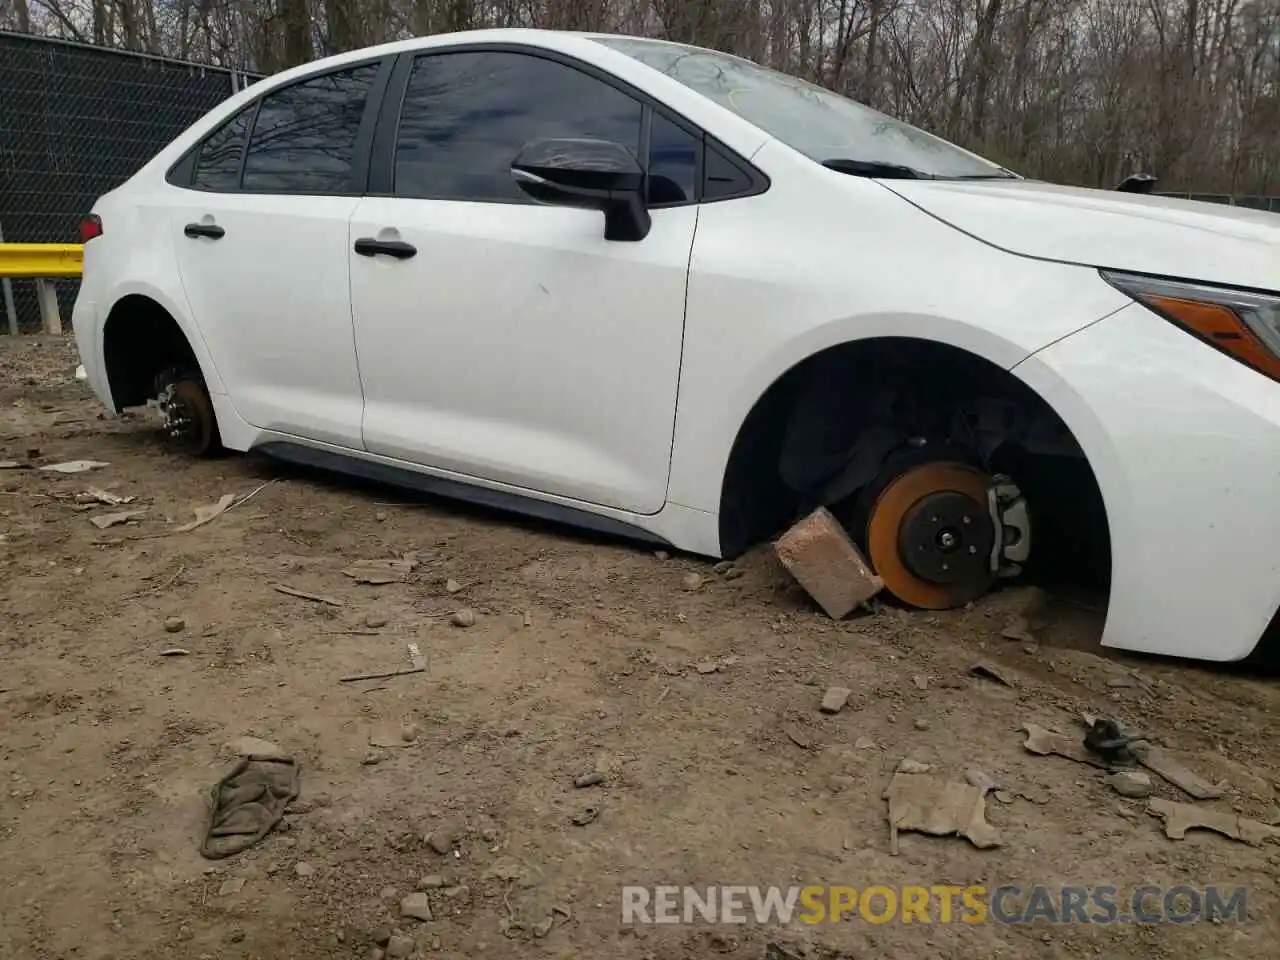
(218, 161)
(304, 139)
(466, 116)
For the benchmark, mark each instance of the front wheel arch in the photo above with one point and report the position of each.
(756, 503)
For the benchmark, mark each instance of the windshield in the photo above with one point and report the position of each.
(820, 124)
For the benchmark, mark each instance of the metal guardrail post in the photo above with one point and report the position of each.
(10, 310)
(47, 297)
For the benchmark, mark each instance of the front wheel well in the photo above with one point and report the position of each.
(821, 433)
(140, 341)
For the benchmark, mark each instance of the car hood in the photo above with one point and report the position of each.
(1102, 228)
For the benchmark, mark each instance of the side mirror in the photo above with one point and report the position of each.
(590, 174)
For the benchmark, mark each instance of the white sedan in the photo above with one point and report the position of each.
(661, 291)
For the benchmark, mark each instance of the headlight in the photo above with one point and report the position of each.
(1242, 324)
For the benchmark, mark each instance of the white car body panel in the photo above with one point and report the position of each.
(289, 257)
(1185, 444)
(1102, 228)
(840, 262)
(582, 333)
(589, 378)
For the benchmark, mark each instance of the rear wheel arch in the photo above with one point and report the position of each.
(141, 338)
(755, 502)
(147, 355)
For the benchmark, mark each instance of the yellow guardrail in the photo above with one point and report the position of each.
(41, 260)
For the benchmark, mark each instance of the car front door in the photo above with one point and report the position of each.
(505, 340)
(260, 229)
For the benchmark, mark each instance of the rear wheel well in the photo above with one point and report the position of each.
(140, 341)
(817, 438)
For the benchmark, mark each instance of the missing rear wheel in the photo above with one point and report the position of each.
(186, 415)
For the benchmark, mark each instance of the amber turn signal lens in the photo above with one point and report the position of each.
(1221, 327)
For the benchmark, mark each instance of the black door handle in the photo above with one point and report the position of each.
(210, 230)
(369, 247)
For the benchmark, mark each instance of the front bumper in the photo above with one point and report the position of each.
(1185, 445)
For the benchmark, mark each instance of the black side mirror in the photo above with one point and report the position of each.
(1137, 183)
(590, 174)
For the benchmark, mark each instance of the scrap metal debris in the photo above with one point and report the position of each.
(206, 513)
(922, 803)
(1181, 817)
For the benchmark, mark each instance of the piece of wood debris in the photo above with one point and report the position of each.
(105, 520)
(1181, 817)
(379, 571)
(206, 513)
(922, 803)
(74, 466)
(303, 595)
(416, 658)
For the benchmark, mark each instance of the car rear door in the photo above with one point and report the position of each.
(261, 235)
(509, 341)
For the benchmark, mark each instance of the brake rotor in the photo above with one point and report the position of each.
(930, 535)
(187, 417)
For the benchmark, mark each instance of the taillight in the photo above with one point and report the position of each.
(90, 227)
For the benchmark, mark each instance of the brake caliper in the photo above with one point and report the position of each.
(1012, 522)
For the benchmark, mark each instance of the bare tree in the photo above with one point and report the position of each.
(1081, 91)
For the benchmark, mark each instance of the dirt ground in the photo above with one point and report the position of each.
(585, 656)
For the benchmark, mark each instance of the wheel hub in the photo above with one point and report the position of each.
(186, 416)
(931, 535)
(177, 417)
(946, 538)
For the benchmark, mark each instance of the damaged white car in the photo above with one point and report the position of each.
(661, 291)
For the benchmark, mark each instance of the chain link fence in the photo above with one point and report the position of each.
(77, 121)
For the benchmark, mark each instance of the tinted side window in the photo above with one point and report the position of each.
(673, 162)
(305, 136)
(466, 116)
(721, 178)
(218, 160)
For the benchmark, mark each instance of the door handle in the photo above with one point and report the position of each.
(210, 230)
(369, 247)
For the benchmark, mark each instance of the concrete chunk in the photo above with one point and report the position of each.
(834, 699)
(819, 554)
